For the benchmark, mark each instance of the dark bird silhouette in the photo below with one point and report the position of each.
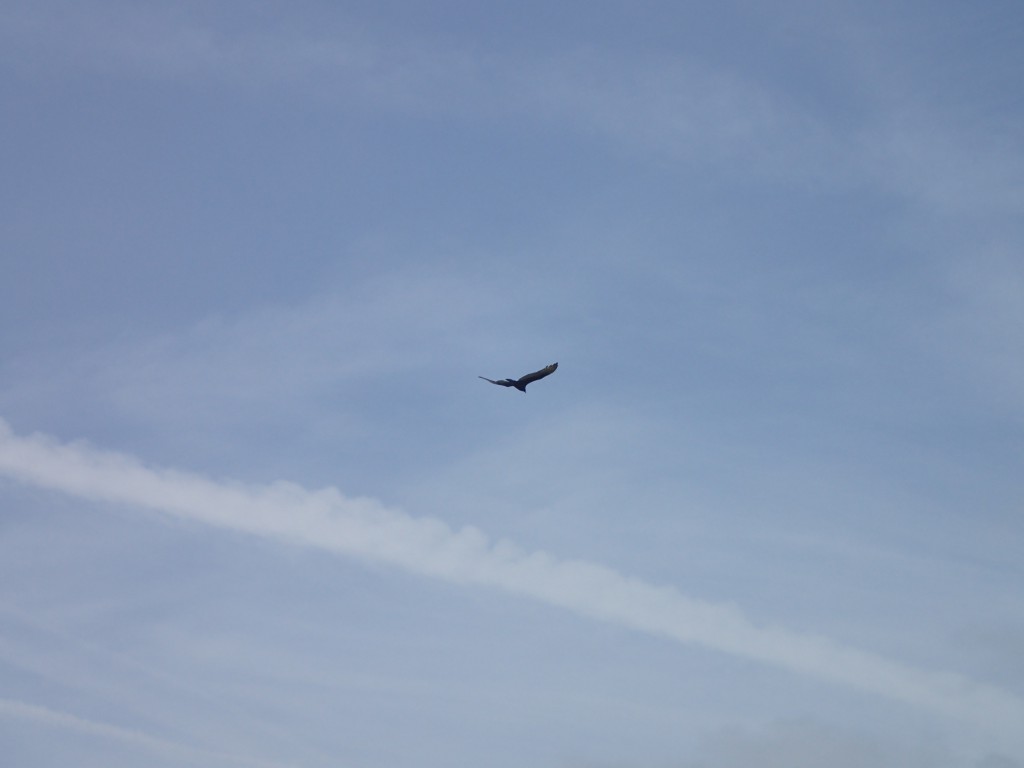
(529, 378)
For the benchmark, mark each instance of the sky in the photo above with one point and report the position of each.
(258, 509)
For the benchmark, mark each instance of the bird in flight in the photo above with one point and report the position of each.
(529, 378)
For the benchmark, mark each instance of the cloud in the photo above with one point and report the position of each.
(364, 528)
(169, 749)
(686, 107)
(806, 744)
(669, 105)
(802, 744)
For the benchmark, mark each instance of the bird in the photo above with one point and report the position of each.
(521, 383)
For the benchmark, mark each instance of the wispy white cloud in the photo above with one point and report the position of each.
(365, 528)
(52, 718)
(248, 51)
(806, 744)
(986, 322)
(677, 105)
(391, 324)
(271, 360)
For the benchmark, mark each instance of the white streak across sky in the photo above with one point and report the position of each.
(169, 749)
(365, 528)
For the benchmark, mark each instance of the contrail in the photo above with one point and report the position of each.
(56, 719)
(365, 528)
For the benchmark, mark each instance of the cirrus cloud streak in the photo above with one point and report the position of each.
(367, 529)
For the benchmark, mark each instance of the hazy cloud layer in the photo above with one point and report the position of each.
(665, 102)
(775, 250)
(364, 528)
(147, 744)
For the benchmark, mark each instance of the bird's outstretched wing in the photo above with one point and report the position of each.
(532, 377)
(502, 383)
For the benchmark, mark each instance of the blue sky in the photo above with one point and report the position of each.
(256, 508)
